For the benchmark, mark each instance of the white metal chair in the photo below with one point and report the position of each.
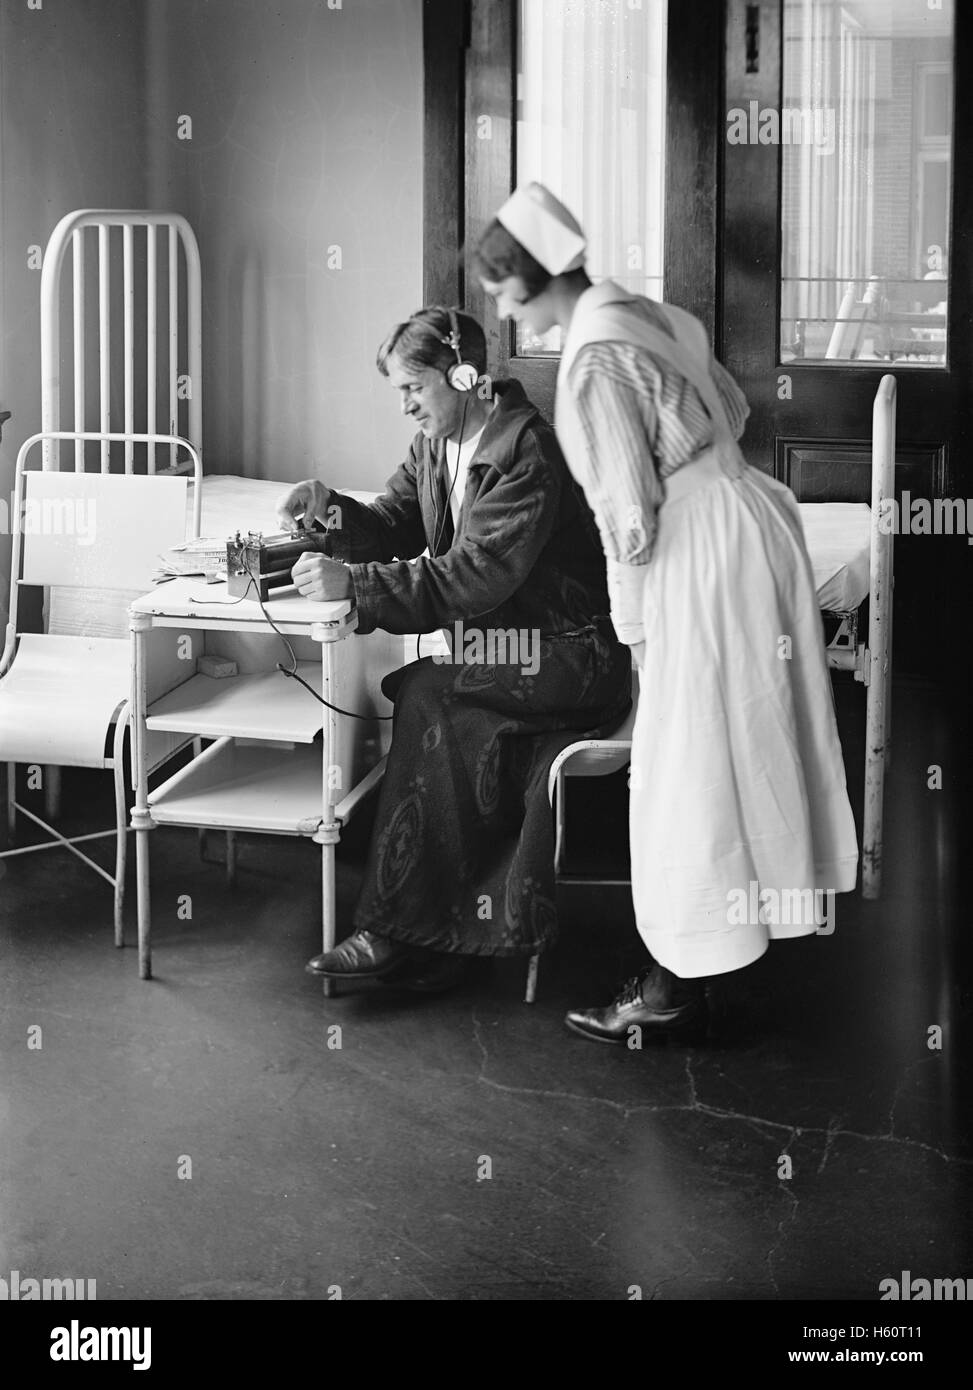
(65, 697)
(588, 757)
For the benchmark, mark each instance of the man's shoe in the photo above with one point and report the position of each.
(677, 1013)
(360, 957)
(435, 975)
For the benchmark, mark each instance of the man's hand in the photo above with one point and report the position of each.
(321, 578)
(303, 505)
(638, 655)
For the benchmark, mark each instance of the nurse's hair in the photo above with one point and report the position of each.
(499, 255)
(423, 341)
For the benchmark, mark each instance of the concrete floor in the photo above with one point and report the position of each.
(363, 1166)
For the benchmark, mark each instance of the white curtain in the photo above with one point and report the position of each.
(591, 125)
(856, 152)
(827, 201)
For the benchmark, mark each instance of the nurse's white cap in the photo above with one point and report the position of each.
(544, 227)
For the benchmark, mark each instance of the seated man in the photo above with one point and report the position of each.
(461, 859)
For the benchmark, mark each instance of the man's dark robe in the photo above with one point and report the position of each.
(462, 857)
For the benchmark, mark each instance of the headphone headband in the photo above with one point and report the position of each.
(461, 375)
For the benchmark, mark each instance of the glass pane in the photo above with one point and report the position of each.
(591, 126)
(866, 160)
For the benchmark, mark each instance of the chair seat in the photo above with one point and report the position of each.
(597, 757)
(60, 697)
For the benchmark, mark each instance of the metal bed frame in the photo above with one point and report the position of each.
(70, 231)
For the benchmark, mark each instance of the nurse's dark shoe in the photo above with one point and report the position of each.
(361, 956)
(653, 1005)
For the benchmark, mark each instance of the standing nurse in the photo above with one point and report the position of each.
(737, 784)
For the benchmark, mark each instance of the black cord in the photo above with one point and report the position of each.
(452, 484)
(221, 602)
(292, 673)
(253, 583)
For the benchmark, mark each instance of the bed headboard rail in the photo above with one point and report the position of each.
(883, 487)
(149, 345)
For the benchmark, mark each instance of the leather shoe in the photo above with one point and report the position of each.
(360, 957)
(676, 1009)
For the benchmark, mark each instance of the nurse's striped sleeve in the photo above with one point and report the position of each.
(616, 415)
(615, 467)
(640, 421)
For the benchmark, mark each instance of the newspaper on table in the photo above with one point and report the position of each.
(204, 556)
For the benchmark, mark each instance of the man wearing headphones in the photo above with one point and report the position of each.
(483, 532)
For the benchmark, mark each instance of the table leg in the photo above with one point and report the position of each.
(328, 911)
(142, 890)
(329, 831)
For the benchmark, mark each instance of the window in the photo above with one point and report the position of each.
(590, 124)
(868, 94)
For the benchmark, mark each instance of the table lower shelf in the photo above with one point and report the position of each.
(245, 787)
(264, 704)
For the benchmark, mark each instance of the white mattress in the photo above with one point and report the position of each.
(232, 504)
(838, 536)
(837, 533)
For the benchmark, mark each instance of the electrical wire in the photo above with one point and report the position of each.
(253, 583)
(452, 481)
(292, 673)
(452, 484)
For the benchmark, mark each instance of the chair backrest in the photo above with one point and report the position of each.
(99, 530)
(92, 540)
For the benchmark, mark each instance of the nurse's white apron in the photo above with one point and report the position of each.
(739, 821)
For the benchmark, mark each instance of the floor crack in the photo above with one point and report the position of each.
(780, 1233)
(697, 1107)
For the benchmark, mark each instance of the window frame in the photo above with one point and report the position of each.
(470, 67)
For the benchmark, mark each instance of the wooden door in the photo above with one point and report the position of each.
(842, 259)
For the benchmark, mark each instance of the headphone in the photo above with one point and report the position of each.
(462, 376)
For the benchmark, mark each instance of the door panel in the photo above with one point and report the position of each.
(827, 280)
